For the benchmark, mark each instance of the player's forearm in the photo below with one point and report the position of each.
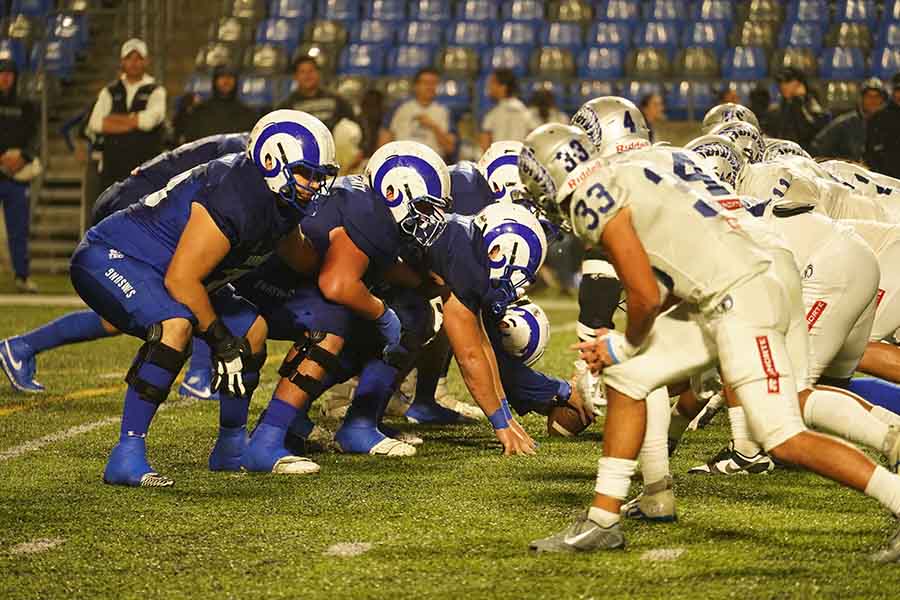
(642, 312)
(463, 332)
(192, 293)
(353, 294)
(118, 123)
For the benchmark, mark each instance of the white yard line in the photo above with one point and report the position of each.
(41, 300)
(662, 554)
(570, 326)
(348, 549)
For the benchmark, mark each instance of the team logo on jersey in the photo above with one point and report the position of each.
(879, 297)
(123, 284)
(808, 272)
(115, 254)
(768, 364)
(815, 311)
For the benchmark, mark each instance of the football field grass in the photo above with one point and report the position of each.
(453, 521)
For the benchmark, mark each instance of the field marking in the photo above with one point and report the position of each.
(662, 554)
(71, 432)
(35, 546)
(347, 549)
(76, 395)
(570, 326)
(42, 300)
(556, 304)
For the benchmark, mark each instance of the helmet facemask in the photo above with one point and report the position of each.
(426, 219)
(293, 190)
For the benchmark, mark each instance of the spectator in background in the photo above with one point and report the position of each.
(728, 95)
(509, 119)
(371, 116)
(421, 118)
(18, 165)
(311, 98)
(760, 104)
(800, 116)
(543, 108)
(845, 137)
(220, 113)
(654, 111)
(883, 136)
(129, 115)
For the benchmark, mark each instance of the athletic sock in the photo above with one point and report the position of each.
(138, 412)
(845, 417)
(885, 416)
(201, 356)
(740, 433)
(884, 486)
(376, 385)
(877, 391)
(233, 410)
(654, 456)
(279, 413)
(74, 327)
(602, 517)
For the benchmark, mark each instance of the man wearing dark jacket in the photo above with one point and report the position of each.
(222, 112)
(883, 136)
(800, 116)
(845, 137)
(311, 98)
(18, 165)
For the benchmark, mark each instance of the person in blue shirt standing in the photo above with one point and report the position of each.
(160, 270)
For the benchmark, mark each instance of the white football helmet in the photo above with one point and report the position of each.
(524, 331)
(720, 156)
(285, 143)
(499, 166)
(550, 153)
(726, 113)
(745, 137)
(613, 124)
(414, 183)
(776, 148)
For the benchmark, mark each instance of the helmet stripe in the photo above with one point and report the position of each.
(308, 145)
(524, 232)
(425, 170)
(534, 332)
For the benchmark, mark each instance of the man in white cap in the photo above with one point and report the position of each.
(128, 116)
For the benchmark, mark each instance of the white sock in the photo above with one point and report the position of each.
(884, 486)
(843, 416)
(654, 456)
(885, 416)
(614, 476)
(603, 518)
(740, 433)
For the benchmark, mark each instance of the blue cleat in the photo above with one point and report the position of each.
(17, 360)
(197, 384)
(127, 465)
(266, 454)
(226, 454)
(431, 413)
(365, 438)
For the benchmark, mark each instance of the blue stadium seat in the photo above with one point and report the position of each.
(566, 35)
(516, 34)
(362, 59)
(68, 27)
(656, 34)
(338, 10)
(609, 34)
(743, 62)
(602, 63)
(58, 57)
(31, 8)
(635, 90)
(522, 10)
(303, 10)
(429, 10)
(889, 35)
(665, 10)
(801, 34)
(713, 10)
(816, 11)
(510, 57)
(478, 10)
(705, 34)
(682, 96)
(619, 10)
(856, 11)
(279, 32)
(257, 92)
(891, 12)
(405, 60)
(842, 63)
(199, 84)
(469, 33)
(559, 90)
(373, 32)
(886, 62)
(428, 33)
(588, 89)
(385, 10)
(455, 95)
(16, 51)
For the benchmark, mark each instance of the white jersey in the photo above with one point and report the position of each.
(877, 235)
(684, 163)
(881, 188)
(696, 248)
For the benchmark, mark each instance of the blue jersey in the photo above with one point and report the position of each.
(154, 174)
(470, 191)
(238, 200)
(457, 257)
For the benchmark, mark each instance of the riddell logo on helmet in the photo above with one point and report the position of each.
(593, 167)
(633, 145)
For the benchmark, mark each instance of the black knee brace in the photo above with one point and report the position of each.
(598, 298)
(156, 353)
(309, 348)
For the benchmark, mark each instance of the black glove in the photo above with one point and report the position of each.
(228, 354)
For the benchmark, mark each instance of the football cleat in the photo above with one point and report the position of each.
(197, 383)
(709, 411)
(266, 454)
(17, 360)
(369, 440)
(890, 553)
(425, 413)
(404, 436)
(226, 454)
(583, 535)
(731, 462)
(656, 503)
(891, 449)
(445, 398)
(589, 388)
(127, 465)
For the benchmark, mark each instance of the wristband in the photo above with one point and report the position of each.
(505, 406)
(618, 347)
(499, 418)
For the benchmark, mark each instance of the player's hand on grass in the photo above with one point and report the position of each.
(515, 440)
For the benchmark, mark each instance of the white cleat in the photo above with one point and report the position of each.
(392, 448)
(155, 480)
(295, 465)
(407, 438)
(589, 388)
(446, 399)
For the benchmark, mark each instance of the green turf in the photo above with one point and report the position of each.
(453, 521)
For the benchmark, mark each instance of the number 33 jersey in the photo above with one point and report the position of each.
(696, 248)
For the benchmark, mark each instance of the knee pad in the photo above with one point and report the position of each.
(310, 349)
(253, 364)
(155, 353)
(598, 295)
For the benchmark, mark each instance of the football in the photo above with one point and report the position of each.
(563, 421)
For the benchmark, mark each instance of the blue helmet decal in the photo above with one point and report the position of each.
(535, 249)
(426, 171)
(307, 142)
(534, 331)
(502, 161)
